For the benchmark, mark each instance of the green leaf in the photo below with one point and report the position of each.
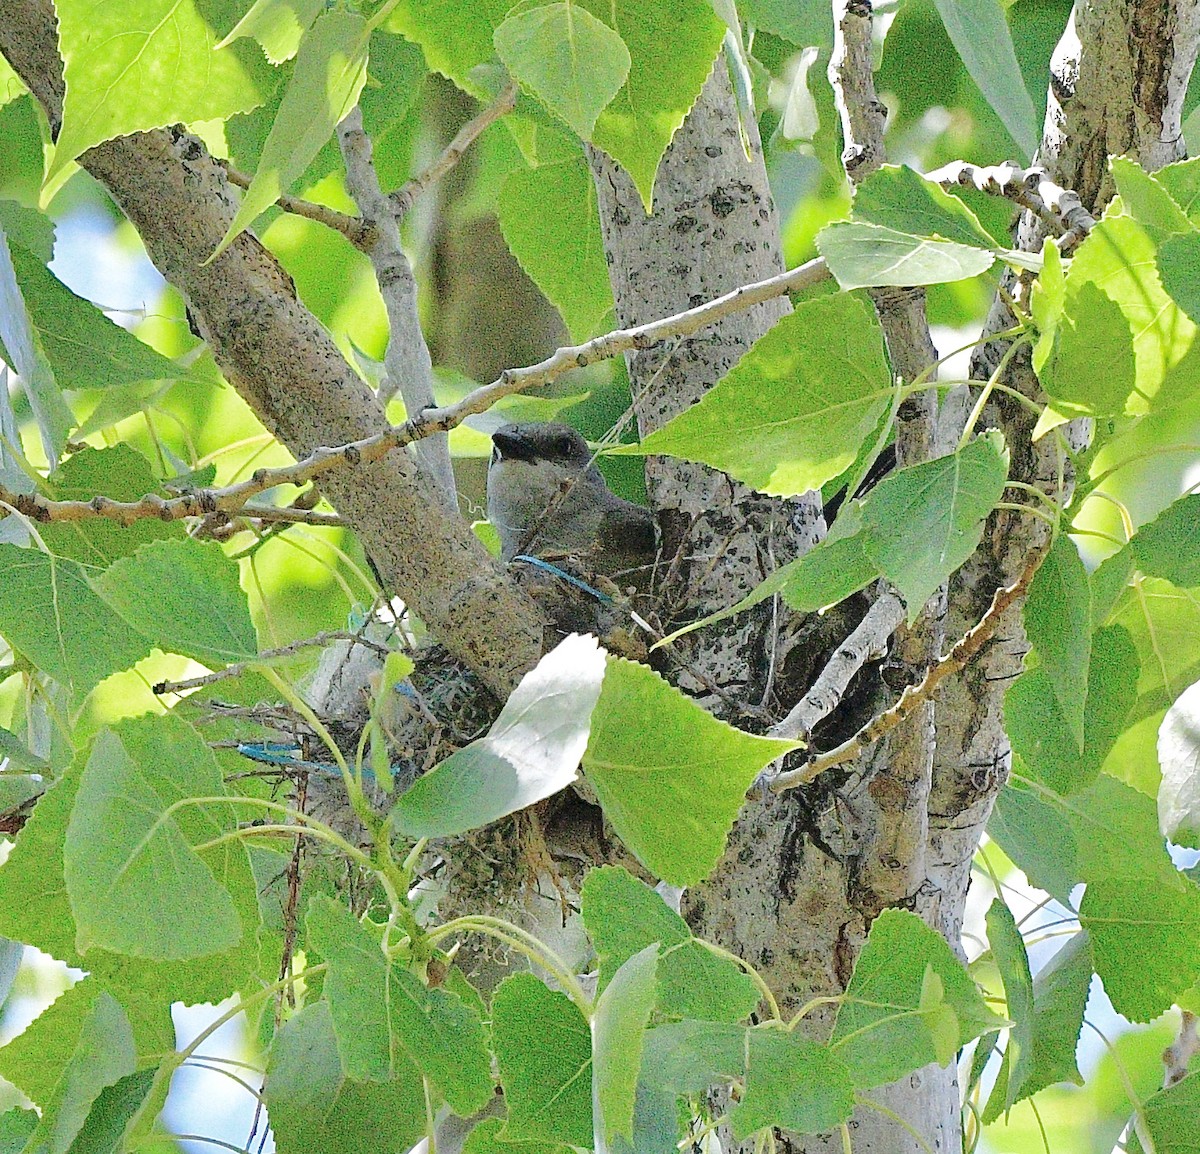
(21, 349)
(898, 198)
(26, 228)
(116, 471)
(670, 777)
(1151, 611)
(456, 35)
(1058, 615)
(485, 1139)
(35, 1060)
(1145, 936)
(278, 25)
(1147, 201)
(331, 69)
(880, 1033)
(1042, 737)
(103, 1054)
(795, 410)
(1118, 259)
(924, 521)
(1179, 755)
(979, 32)
(574, 63)
(1182, 182)
(85, 349)
(866, 255)
(198, 608)
(623, 916)
(544, 1049)
(1170, 1118)
(1008, 951)
(114, 1111)
(792, 1083)
(133, 65)
(672, 45)
(49, 613)
(690, 1056)
(551, 223)
(16, 1125)
(1093, 330)
(358, 989)
(1169, 546)
(531, 752)
(1060, 995)
(618, 1030)
(135, 882)
(803, 22)
(1037, 837)
(444, 1038)
(315, 1108)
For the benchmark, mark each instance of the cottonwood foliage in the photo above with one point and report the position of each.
(147, 858)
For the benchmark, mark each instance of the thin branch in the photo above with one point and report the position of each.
(320, 640)
(408, 369)
(356, 230)
(1179, 1053)
(233, 498)
(402, 200)
(868, 642)
(913, 696)
(1059, 208)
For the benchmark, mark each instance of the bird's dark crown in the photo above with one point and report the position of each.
(541, 441)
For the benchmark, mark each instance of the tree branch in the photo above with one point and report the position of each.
(1059, 208)
(867, 643)
(402, 200)
(353, 228)
(408, 368)
(284, 363)
(367, 450)
(914, 696)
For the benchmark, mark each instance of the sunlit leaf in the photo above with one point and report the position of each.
(670, 776)
(573, 62)
(531, 752)
(132, 65)
(794, 411)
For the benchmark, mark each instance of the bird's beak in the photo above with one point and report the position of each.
(511, 445)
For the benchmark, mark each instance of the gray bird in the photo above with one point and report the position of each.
(546, 498)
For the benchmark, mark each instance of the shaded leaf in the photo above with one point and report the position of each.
(198, 607)
(1058, 623)
(880, 1033)
(278, 25)
(331, 69)
(50, 614)
(978, 29)
(551, 223)
(623, 915)
(898, 198)
(1169, 546)
(1008, 951)
(544, 1049)
(1145, 935)
(315, 1108)
(793, 1083)
(866, 255)
(135, 882)
(618, 1029)
(924, 521)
